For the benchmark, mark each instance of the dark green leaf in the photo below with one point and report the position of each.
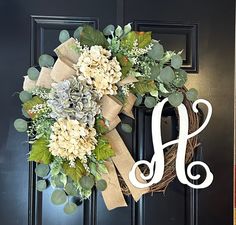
(90, 37)
(180, 78)
(139, 100)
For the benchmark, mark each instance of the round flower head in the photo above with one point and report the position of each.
(74, 99)
(71, 139)
(97, 67)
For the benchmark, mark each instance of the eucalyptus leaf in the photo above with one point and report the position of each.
(58, 197)
(20, 125)
(78, 32)
(163, 89)
(86, 182)
(25, 96)
(102, 168)
(155, 71)
(101, 185)
(64, 36)
(149, 102)
(71, 189)
(126, 128)
(25, 114)
(33, 73)
(167, 75)
(139, 100)
(109, 30)
(41, 185)
(180, 78)
(46, 60)
(157, 51)
(192, 94)
(56, 181)
(42, 170)
(93, 168)
(70, 208)
(176, 61)
(175, 99)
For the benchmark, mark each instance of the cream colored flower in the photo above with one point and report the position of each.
(96, 66)
(71, 139)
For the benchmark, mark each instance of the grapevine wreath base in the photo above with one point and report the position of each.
(72, 105)
(170, 155)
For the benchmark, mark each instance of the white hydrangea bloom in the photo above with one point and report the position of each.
(71, 139)
(97, 66)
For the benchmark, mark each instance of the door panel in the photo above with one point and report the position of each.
(205, 33)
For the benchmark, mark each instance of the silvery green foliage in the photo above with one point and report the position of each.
(75, 100)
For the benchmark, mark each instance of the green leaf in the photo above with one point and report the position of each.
(127, 28)
(71, 189)
(90, 37)
(144, 86)
(93, 168)
(125, 64)
(20, 125)
(64, 36)
(86, 182)
(33, 73)
(176, 61)
(157, 51)
(143, 39)
(126, 128)
(78, 32)
(118, 31)
(58, 197)
(180, 78)
(139, 100)
(167, 75)
(42, 170)
(192, 94)
(25, 96)
(149, 102)
(103, 149)
(176, 99)
(25, 114)
(56, 181)
(75, 173)
(27, 106)
(41, 185)
(109, 30)
(101, 185)
(101, 168)
(101, 126)
(46, 60)
(155, 71)
(39, 152)
(70, 208)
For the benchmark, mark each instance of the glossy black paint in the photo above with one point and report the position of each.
(204, 29)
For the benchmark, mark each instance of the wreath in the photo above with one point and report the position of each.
(72, 105)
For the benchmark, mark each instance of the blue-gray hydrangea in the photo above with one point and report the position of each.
(75, 100)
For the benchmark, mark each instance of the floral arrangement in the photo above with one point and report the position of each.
(71, 106)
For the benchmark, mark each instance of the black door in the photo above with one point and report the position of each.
(204, 29)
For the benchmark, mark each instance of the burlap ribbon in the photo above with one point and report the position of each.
(111, 107)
